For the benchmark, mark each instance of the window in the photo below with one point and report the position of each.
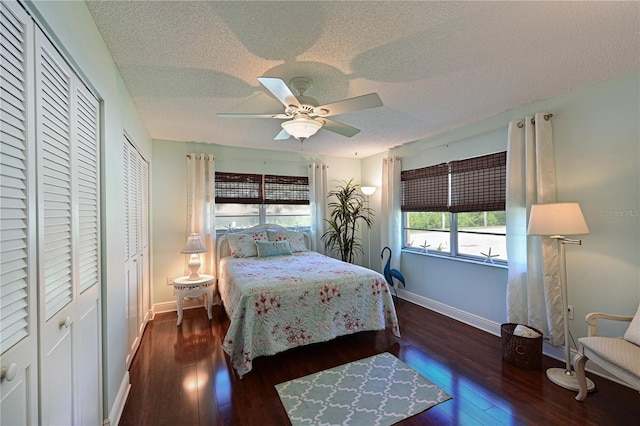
(457, 208)
(244, 200)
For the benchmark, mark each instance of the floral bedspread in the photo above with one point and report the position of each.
(277, 303)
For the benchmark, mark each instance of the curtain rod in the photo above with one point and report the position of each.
(259, 161)
(520, 125)
(196, 155)
(547, 117)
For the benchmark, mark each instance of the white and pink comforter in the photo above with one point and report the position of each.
(277, 303)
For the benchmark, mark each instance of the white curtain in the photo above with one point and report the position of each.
(533, 290)
(201, 205)
(391, 217)
(318, 191)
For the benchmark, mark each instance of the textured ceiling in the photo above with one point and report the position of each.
(436, 65)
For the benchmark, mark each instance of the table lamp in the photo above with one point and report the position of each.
(193, 247)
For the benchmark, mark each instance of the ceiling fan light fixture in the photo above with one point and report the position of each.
(301, 127)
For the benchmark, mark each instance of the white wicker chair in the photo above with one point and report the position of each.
(615, 354)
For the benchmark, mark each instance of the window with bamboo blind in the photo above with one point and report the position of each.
(244, 200)
(457, 208)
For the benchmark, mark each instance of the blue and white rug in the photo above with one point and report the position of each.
(380, 390)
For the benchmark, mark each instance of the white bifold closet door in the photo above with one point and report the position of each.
(136, 199)
(18, 274)
(68, 242)
(50, 313)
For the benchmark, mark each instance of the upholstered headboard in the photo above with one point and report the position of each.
(222, 245)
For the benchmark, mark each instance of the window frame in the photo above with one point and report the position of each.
(454, 251)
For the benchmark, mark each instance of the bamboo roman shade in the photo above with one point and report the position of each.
(425, 189)
(286, 189)
(472, 185)
(244, 188)
(479, 184)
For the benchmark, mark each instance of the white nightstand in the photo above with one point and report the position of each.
(183, 287)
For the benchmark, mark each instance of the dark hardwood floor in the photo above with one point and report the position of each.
(181, 376)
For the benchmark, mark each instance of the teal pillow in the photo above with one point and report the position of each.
(273, 248)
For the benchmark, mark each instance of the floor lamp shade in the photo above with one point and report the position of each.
(556, 220)
(368, 190)
(194, 247)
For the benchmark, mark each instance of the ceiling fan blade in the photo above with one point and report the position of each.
(371, 100)
(280, 90)
(340, 128)
(282, 135)
(234, 115)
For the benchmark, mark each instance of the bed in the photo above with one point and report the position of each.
(280, 295)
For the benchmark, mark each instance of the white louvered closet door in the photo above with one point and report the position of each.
(18, 275)
(132, 266)
(68, 251)
(136, 199)
(88, 326)
(143, 278)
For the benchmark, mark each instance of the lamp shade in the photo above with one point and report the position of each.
(301, 127)
(194, 245)
(557, 219)
(368, 190)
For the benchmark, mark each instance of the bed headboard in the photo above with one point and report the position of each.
(222, 244)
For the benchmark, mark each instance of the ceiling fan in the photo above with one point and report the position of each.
(303, 114)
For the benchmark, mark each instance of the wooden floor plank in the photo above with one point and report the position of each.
(181, 375)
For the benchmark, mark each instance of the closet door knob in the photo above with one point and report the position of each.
(9, 373)
(65, 322)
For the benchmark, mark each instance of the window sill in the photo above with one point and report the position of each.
(502, 265)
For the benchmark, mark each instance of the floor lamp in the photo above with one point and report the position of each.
(556, 220)
(368, 191)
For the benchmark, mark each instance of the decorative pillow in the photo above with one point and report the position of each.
(243, 245)
(633, 332)
(295, 238)
(273, 248)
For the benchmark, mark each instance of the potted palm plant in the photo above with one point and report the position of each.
(347, 211)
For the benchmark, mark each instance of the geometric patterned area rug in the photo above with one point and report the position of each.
(379, 390)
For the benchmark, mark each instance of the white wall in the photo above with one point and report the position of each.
(597, 147)
(73, 30)
(169, 198)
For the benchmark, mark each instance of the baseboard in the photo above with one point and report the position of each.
(492, 327)
(148, 316)
(118, 406)
(451, 312)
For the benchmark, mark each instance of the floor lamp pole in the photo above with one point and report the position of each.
(565, 302)
(368, 191)
(566, 377)
(368, 235)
